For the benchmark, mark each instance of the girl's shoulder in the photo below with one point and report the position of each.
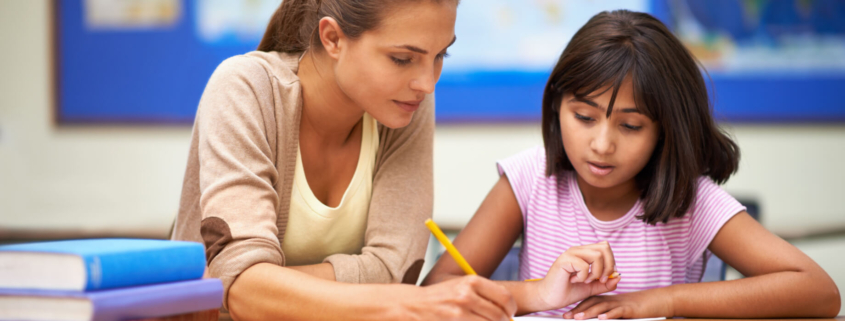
(528, 164)
(712, 204)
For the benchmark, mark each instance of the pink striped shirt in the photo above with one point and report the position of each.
(648, 256)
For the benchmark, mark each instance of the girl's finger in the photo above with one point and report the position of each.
(615, 313)
(599, 308)
(609, 262)
(581, 269)
(581, 307)
(597, 288)
(597, 266)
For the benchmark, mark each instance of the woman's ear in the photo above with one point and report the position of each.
(331, 37)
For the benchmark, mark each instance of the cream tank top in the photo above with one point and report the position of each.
(314, 230)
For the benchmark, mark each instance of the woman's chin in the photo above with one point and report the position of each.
(395, 121)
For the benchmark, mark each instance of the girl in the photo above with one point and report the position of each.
(311, 167)
(627, 182)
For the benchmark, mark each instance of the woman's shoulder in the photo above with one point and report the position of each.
(259, 67)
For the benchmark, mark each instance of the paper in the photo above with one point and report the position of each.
(593, 319)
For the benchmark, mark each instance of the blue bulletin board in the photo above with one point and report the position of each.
(147, 61)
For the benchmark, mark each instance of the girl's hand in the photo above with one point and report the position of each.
(465, 298)
(642, 304)
(579, 273)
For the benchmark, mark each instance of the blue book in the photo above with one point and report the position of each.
(95, 264)
(147, 301)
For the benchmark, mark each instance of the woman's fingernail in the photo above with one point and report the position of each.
(602, 316)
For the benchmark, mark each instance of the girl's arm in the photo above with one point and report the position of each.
(269, 292)
(491, 233)
(780, 282)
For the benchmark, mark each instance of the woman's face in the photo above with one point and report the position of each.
(388, 71)
(607, 151)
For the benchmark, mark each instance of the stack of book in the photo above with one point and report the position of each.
(104, 279)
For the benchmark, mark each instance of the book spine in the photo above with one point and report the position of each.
(124, 269)
(157, 300)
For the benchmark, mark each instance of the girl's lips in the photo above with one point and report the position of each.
(409, 106)
(600, 169)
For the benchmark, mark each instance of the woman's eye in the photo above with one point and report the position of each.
(582, 117)
(401, 62)
(632, 127)
(442, 56)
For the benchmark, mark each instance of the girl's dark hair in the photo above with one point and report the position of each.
(668, 88)
(293, 27)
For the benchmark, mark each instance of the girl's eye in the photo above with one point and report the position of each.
(632, 127)
(583, 118)
(400, 62)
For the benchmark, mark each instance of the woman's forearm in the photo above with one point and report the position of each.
(267, 292)
(324, 271)
(775, 295)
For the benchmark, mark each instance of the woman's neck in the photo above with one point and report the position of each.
(328, 115)
(609, 203)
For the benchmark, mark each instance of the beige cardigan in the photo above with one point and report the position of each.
(237, 186)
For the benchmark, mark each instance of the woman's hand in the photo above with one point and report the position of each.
(579, 273)
(465, 298)
(642, 304)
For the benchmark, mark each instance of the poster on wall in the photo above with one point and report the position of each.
(147, 61)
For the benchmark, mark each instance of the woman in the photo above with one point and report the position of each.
(311, 167)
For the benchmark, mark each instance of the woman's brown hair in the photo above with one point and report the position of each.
(293, 27)
(668, 88)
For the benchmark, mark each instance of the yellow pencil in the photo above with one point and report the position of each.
(449, 247)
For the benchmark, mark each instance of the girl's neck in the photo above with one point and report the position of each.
(611, 203)
(328, 115)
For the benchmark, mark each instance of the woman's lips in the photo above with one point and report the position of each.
(409, 106)
(600, 169)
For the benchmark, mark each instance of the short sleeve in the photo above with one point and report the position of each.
(522, 171)
(713, 208)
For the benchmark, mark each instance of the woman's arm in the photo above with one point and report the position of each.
(781, 282)
(267, 292)
(491, 233)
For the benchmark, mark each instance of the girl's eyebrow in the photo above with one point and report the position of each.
(603, 108)
(423, 51)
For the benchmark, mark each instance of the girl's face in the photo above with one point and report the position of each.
(388, 71)
(607, 152)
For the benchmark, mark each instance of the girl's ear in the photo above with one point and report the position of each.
(331, 37)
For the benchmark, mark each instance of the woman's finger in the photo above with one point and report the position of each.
(487, 309)
(497, 295)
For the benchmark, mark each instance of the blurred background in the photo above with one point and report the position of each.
(97, 100)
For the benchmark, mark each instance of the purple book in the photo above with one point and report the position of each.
(149, 301)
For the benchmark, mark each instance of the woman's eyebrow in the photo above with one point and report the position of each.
(603, 108)
(423, 51)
